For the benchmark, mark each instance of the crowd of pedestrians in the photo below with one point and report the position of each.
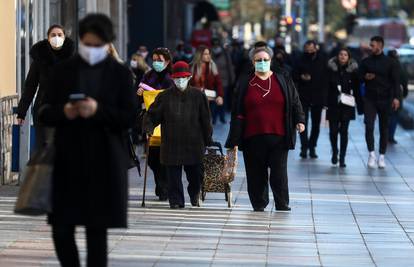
(91, 99)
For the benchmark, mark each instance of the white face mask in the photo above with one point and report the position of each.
(57, 41)
(93, 55)
(181, 83)
(133, 64)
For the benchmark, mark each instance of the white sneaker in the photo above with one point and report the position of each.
(381, 161)
(372, 160)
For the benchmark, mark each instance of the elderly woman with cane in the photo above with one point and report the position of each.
(185, 120)
(266, 115)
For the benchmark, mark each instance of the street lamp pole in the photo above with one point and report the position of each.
(288, 13)
(321, 17)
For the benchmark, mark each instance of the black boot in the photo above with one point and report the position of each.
(304, 153)
(342, 161)
(312, 153)
(334, 158)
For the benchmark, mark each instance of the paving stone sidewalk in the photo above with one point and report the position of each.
(340, 217)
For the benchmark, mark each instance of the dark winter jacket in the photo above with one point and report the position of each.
(185, 125)
(348, 78)
(90, 182)
(44, 59)
(293, 113)
(314, 91)
(386, 84)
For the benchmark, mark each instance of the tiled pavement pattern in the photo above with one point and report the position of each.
(351, 217)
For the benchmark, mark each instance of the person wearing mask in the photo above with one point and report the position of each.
(91, 104)
(45, 54)
(158, 78)
(404, 88)
(138, 66)
(225, 68)
(206, 77)
(188, 54)
(343, 90)
(383, 94)
(310, 76)
(184, 116)
(143, 51)
(280, 61)
(266, 115)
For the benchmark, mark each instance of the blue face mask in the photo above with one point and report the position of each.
(158, 66)
(262, 66)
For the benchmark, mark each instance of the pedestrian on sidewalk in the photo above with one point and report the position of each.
(185, 120)
(310, 76)
(45, 55)
(139, 68)
(158, 78)
(90, 181)
(383, 94)
(404, 91)
(343, 79)
(265, 117)
(222, 58)
(206, 77)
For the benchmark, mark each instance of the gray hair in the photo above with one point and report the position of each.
(266, 49)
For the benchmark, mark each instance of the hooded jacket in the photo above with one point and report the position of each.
(44, 59)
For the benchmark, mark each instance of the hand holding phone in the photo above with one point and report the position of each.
(73, 98)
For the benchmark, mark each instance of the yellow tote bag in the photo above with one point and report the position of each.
(149, 98)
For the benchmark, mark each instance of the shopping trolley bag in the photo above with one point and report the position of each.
(219, 171)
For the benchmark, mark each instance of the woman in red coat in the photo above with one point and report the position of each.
(207, 78)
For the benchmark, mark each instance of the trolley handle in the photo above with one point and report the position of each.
(218, 146)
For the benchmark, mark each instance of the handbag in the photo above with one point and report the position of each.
(34, 197)
(346, 99)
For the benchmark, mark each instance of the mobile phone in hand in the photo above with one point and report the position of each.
(76, 97)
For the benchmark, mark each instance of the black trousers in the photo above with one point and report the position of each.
(339, 127)
(371, 109)
(312, 140)
(175, 184)
(161, 182)
(261, 153)
(67, 251)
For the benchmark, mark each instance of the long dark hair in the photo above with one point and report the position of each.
(55, 26)
(347, 51)
(165, 52)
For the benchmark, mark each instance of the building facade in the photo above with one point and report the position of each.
(22, 24)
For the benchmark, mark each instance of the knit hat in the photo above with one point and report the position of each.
(181, 70)
(266, 49)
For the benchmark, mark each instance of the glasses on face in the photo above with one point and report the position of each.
(262, 59)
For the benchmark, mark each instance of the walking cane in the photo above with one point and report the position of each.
(145, 171)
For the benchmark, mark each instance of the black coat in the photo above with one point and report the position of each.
(185, 125)
(386, 84)
(293, 111)
(348, 78)
(90, 185)
(44, 58)
(314, 91)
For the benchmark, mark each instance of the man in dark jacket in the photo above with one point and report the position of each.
(45, 54)
(310, 76)
(381, 77)
(184, 115)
